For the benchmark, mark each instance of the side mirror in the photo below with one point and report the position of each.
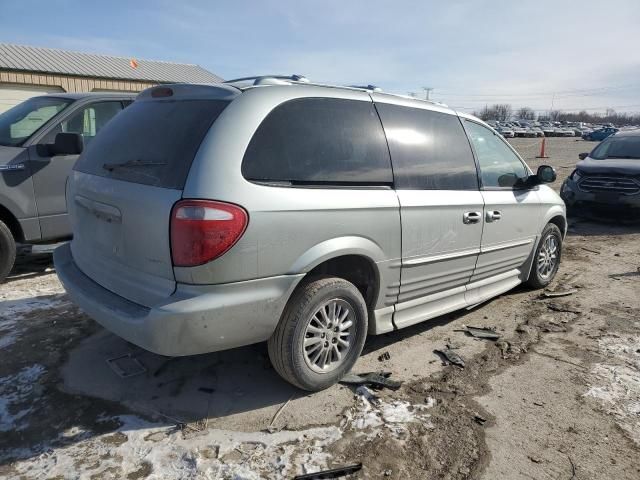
(582, 156)
(546, 174)
(507, 180)
(67, 144)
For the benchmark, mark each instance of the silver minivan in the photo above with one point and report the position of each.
(209, 217)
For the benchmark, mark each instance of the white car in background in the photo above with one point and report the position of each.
(538, 131)
(519, 131)
(505, 131)
(564, 132)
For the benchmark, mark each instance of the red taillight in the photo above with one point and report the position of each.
(202, 230)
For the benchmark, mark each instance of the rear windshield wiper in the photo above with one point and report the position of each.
(130, 163)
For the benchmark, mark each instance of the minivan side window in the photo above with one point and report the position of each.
(429, 149)
(500, 167)
(87, 121)
(319, 141)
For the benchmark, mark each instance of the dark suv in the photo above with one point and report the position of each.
(40, 140)
(608, 178)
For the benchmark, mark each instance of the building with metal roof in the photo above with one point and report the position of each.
(28, 71)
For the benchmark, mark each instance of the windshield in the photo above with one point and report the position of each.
(20, 122)
(618, 147)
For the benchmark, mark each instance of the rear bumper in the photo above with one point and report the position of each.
(195, 319)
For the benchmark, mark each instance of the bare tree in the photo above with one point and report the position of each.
(500, 112)
(526, 113)
(554, 115)
(483, 113)
(503, 111)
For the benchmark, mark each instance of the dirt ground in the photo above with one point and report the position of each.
(556, 397)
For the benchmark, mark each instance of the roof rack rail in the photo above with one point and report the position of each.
(373, 88)
(267, 79)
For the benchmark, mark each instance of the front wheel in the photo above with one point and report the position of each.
(547, 257)
(7, 251)
(321, 333)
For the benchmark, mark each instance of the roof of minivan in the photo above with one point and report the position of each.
(271, 81)
(228, 91)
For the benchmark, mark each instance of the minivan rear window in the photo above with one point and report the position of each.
(151, 142)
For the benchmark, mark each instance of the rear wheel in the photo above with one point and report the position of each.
(547, 257)
(320, 334)
(7, 251)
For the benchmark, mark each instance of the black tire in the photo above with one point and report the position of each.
(7, 251)
(286, 345)
(536, 279)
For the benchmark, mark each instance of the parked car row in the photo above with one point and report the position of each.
(516, 129)
(551, 129)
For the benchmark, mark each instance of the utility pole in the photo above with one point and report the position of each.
(427, 92)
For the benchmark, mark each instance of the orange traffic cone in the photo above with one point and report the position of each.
(542, 145)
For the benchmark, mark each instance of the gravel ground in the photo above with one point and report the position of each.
(558, 396)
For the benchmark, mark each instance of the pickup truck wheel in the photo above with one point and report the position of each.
(321, 333)
(547, 257)
(7, 251)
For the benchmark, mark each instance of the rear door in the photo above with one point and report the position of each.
(511, 215)
(441, 208)
(124, 187)
(50, 172)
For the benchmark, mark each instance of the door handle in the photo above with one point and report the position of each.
(494, 216)
(471, 217)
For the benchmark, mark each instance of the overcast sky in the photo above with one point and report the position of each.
(470, 52)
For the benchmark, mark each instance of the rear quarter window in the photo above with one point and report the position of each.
(429, 149)
(319, 141)
(151, 142)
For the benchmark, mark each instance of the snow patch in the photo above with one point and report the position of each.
(16, 389)
(13, 311)
(22, 291)
(617, 383)
(370, 413)
(172, 455)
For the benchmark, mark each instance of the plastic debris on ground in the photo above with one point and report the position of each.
(331, 473)
(374, 380)
(481, 332)
(451, 357)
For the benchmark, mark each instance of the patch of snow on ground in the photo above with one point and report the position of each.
(16, 389)
(617, 383)
(370, 413)
(172, 455)
(12, 311)
(27, 290)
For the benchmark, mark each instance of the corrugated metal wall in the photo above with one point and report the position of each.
(72, 84)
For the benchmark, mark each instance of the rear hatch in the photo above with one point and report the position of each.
(125, 184)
